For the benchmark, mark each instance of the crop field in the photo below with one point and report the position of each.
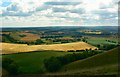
(23, 36)
(29, 37)
(105, 63)
(8, 48)
(33, 62)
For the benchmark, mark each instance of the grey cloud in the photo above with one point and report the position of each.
(13, 7)
(41, 8)
(62, 3)
(16, 14)
(104, 14)
(59, 9)
(79, 11)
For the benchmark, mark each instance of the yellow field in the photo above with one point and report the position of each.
(8, 48)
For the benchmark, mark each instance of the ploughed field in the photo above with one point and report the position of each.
(8, 48)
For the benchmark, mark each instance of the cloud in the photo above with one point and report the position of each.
(56, 9)
(13, 7)
(62, 3)
(55, 12)
(16, 14)
(79, 10)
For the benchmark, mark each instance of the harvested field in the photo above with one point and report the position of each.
(25, 37)
(29, 37)
(8, 48)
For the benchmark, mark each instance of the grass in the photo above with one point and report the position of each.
(33, 62)
(101, 40)
(105, 63)
(8, 48)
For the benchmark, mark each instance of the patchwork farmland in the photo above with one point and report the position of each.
(59, 51)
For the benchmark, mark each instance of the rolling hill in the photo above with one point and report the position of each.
(33, 62)
(101, 64)
(8, 48)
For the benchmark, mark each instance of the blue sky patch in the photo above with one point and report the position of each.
(5, 4)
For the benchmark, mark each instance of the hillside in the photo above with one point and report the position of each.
(32, 62)
(105, 63)
(8, 48)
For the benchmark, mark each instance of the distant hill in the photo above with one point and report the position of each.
(101, 64)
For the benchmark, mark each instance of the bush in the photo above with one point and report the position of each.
(10, 66)
(39, 41)
(80, 50)
(52, 64)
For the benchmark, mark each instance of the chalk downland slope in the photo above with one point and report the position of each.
(101, 64)
(8, 48)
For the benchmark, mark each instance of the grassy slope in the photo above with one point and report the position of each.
(33, 62)
(105, 63)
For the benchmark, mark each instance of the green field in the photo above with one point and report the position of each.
(104, 63)
(33, 62)
(101, 40)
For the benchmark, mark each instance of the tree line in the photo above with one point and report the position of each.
(55, 63)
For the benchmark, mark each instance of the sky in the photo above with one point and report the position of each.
(40, 13)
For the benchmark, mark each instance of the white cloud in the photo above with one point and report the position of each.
(36, 12)
(74, 15)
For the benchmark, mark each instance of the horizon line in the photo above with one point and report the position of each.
(53, 26)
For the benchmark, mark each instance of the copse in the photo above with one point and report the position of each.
(52, 64)
(10, 66)
(39, 41)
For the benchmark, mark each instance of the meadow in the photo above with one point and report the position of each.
(101, 40)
